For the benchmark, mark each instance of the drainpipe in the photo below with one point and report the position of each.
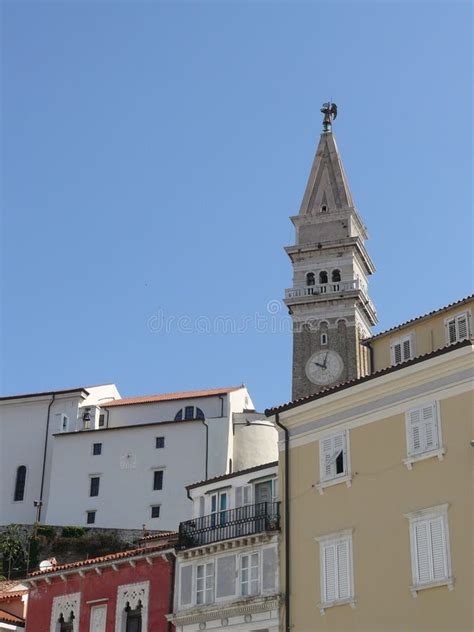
(221, 397)
(44, 458)
(371, 358)
(171, 558)
(287, 520)
(203, 421)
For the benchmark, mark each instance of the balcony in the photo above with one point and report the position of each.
(231, 523)
(324, 288)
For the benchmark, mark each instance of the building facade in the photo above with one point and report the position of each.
(13, 605)
(329, 302)
(28, 424)
(122, 592)
(227, 555)
(379, 505)
(132, 471)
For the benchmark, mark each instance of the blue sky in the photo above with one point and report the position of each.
(152, 153)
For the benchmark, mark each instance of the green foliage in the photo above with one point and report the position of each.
(45, 531)
(73, 532)
(14, 547)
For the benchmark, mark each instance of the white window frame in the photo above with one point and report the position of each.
(400, 341)
(344, 477)
(70, 602)
(205, 577)
(420, 455)
(422, 515)
(220, 515)
(332, 539)
(455, 318)
(249, 554)
(236, 578)
(93, 610)
(133, 594)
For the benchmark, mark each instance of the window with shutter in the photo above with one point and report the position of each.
(336, 569)
(226, 576)
(249, 574)
(457, 327)
(333, 457)
(423, 432)
(402, 349)
(205, 583)
(186, 582)
(269, 569)
(429, 547)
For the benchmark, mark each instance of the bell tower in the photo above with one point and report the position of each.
(329, 301)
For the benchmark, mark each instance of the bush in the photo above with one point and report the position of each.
(46, 531)
(73, 532)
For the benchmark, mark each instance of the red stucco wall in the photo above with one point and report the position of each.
(93, 587)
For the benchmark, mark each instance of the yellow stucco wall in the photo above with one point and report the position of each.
(429, 335)
(382, 490)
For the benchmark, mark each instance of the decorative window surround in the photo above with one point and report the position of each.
(131, 594)
(338, 602)
(65, 604)
(440, 452)
(330, 449)
(334, 481)
(439, 517)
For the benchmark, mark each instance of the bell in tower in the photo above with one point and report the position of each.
(329, 301)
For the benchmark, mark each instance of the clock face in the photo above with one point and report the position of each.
(324, 367)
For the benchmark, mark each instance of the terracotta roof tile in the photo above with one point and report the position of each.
(105, 559)
(166, 397)
(7, 617)
(269, 412)
(5, 596)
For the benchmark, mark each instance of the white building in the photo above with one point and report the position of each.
(27, 426)
(228, 555)
(131, 469)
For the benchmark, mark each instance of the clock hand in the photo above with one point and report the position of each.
(325, 360)
(321, 365)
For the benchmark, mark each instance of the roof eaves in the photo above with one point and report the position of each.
(224, 477)
(269, 412)
(44, 394)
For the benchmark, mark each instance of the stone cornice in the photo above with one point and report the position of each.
(221, 611)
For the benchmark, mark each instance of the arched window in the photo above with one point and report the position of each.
(336, 276)
(134, 618)
(189, 412)
(323, 276)
(66, 625)
(324, 339)
(310, 280)
(324, 208)
(20, 483)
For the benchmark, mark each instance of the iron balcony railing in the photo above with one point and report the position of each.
(229, 523)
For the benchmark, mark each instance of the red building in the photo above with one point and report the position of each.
(130, 591)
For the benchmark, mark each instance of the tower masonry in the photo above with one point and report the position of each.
(329, 301)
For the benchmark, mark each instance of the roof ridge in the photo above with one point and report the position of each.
(176, 395)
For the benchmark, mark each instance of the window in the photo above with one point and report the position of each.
(324, 208)
(94, 486)
(323, 277)
(63, 422)
(160, 442)
(158, 479)
(205, 583)
(249, 574)
(310, 280)
(218, 508)
(96, 449)
(98, 618)
(333, 458)
(134, 618)
(337, 586)
(430, 556)
(423, 433)
(101, 420)
(66, 625)
(188, 413)
(185, 585)
(457, 327)
(20, 483)
(155, 511)
(324, 339)
(91, 517)
(336, 276)
(402, 349)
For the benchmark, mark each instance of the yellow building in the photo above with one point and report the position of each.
(379, 475)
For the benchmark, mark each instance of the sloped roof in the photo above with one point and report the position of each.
(269, 412)
(104, 559)
(458, 303)
(8, 617)
(224, 477)
(165, 397)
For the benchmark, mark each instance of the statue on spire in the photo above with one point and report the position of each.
(330, 112)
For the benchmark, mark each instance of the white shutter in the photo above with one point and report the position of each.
(269, 569)
(325, 455)
(226, 575)
(438, 548)
(406, 347)
(186, 584)
(340, 446)
(451, 325)
(397, 353)
(210, 582)
(202, 506)
(462, 327)
(414, 432)
(247, 495)
(329, 572)
(430, 427)
(343, 570)
(238, 496)
(422, 554)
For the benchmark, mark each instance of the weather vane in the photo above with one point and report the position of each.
(330, 112)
